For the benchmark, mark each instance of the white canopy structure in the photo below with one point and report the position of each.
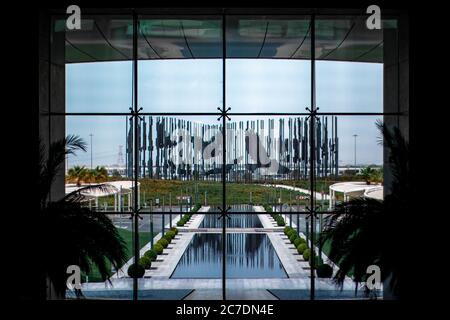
(354, 189)
(118, 189)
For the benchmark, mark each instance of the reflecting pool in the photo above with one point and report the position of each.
(249, 255)
(237, 220)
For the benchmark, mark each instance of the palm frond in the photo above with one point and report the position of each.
(76, 235)
(50, 164)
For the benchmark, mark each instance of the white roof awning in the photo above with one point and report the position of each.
(110, 188)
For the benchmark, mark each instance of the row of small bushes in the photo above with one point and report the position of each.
(185, 218)
(145, 262)
(196, 207)
(278, 219)
(323, 270)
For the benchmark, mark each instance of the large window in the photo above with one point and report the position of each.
(272, 118)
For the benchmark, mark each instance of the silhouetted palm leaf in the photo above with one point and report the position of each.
(364, 232)
(74, 235)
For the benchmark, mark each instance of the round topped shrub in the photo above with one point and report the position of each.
(307, 254)
(163, 242)
(180, 223)
(167, 237)
(151, 254)
(317, 260)
(158, 248)
(291, 232)
(292, 237)
(170, 234)
(324, 271)
(175, 230)
(136, 270)
(301, 248)
(287, 230)
(280, 222)
(145, 262)
(298, 241)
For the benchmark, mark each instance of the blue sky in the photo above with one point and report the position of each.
(196, 86)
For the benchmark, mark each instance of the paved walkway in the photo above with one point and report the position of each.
(232, 294)
(238, 284)
(316, 195)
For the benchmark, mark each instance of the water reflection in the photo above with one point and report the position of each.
(235, 221)
(249, 255)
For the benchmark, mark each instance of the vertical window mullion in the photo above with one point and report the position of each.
(224, 198)
(134, 112)
(312, 151)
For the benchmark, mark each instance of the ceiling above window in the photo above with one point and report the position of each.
(106, 38)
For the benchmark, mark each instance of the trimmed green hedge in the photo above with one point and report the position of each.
(151, 254)
(196, 207)
(301, 248)
(324, 271)
(145, 262)
(170, 234)
(287, 229)
(307, 254)
(158, 248)
(278, 219)
(291, 232)
(136, 271)
(167, 237)
(185, 218)
(299, 240)
(163, 242)
(293, 236)
(175, 230)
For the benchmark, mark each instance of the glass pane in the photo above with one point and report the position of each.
(180, 69)
(267, 37)
(355, 68)
(364, 178)
(117, 285)
(105, 161)
(180, 170)
(180, 162)
(268, 67)
(95, 64)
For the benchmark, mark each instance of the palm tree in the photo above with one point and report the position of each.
(368, 174)
(363, 231)
(99, 174)
(77, 174)
(74, 235)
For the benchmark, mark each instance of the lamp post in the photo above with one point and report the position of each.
(355, 135)
(90, 135)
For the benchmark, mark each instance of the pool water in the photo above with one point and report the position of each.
(236, 220)
(249, 255)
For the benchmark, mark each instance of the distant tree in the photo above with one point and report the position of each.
(77, 174)
(99, 174)
(367, 174)
(116, 174)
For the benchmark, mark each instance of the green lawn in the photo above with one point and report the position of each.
(237, 193)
